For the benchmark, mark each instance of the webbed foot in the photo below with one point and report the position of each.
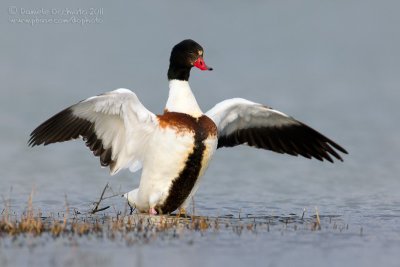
(152, 211)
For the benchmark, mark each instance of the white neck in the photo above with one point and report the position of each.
(181, 99)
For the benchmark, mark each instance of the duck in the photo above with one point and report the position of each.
(174, 149)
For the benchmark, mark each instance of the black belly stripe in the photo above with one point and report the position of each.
(184, 183)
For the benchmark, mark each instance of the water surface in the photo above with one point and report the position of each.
(331, 65)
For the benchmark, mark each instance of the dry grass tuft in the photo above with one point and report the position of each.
(317, 224)
(140, 228)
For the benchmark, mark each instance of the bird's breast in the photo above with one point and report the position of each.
(204, 132)
(182, 123)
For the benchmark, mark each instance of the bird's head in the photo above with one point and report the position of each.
(184, 56)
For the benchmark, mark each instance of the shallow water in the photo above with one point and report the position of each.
(332, 65)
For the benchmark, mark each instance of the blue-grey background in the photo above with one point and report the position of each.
(334, 65)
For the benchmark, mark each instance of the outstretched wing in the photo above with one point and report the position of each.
(240, 121)
(114, 125)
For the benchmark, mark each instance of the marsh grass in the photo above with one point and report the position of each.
(140, 228)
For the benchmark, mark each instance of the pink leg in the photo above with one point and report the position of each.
(152, 211)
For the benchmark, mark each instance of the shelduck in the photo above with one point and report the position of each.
(175, 148)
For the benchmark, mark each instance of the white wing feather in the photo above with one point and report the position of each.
(122, 122)
(237, 113)
(115, 121)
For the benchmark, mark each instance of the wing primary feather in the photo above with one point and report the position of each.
(261, 141)
(48, 129)
(333, 152)
(273, 138)
(240, 121)
(105, 157)
(103, 122)
(294, 140)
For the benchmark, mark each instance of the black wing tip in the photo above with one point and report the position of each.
(331, 149)
(338, 147)
(335, 154)
(63, 126)
(324, 158)
(333, 161)
(309, 142)
(33, 141)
